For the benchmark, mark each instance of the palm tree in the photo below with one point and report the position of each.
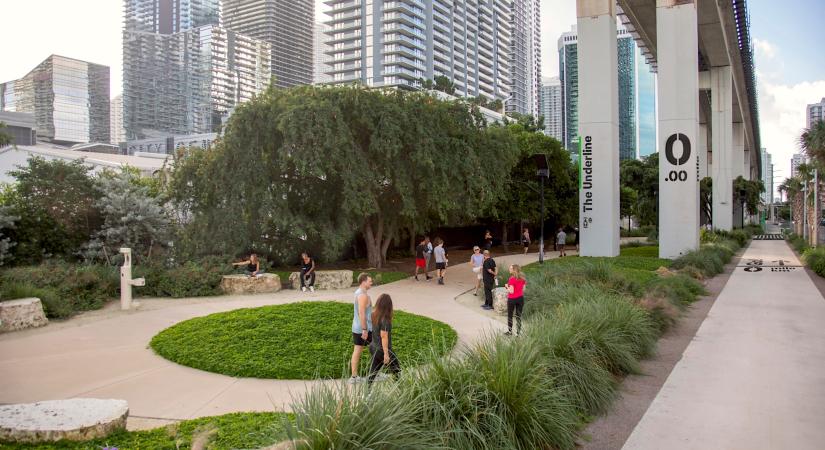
(812, 141)
(792, 187)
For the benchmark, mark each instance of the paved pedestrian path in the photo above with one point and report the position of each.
(754, 375)
(106, 354)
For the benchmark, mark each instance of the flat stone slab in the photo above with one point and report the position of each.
(21, 314)
(325, 279)
(76, 419)
(266, 283)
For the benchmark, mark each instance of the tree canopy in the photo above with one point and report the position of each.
(309, 167)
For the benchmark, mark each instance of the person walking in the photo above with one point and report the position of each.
(307, 273)
(561, 241)
(476, 261)
(440, 260)
(420, 261)
(381, 346)
(576, 239)
(490, 271)
(515, 298)
(488, 240)
(361, 323)
(428, 253)
(525, 239)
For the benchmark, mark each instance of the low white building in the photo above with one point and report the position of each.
(14, 156)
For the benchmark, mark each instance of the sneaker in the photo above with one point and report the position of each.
(303, 289)
(355, 380)
(429, 278)
(475, 293)
(487, 307)
(312, 289)
(382, 377)
(441, 281)
(508, 333)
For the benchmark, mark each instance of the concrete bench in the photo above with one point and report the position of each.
(325, 279)
(21, 314)
(266, 283)
(76, 419)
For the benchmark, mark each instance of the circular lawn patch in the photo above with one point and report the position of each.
(305, 340)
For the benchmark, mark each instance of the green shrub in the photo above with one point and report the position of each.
(53, 305)
(80, 287)
(191, 279)
(680, 290)
(814, 258)
(710, 259)
(379, 278)
(357, 418)
(229, 431)
(798, 243)
(573, 368)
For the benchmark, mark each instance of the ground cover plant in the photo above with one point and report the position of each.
(230, 431)
(814, 258)
(304, 340)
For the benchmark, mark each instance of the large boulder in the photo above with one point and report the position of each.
(266, 283)
(21, 314)
(76, 419)
(325, 279)
(500, 300)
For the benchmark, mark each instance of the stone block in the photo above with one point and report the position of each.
(21, 314)
(76, 419)
(266, 283)
(325, 279)
(500, 300)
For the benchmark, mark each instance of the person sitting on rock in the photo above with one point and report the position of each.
(253, 266)
(307, 273)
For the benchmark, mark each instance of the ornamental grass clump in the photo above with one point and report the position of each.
(681, 290)
(572, 366)
(814, 258)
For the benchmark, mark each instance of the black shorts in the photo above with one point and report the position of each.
(440, 266)
(525, 243)
(356, 339)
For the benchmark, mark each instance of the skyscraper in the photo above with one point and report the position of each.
(184, 80)
(815, 112)
(287, 25)
(767, 177)
(551, 106)
(526, 54)
(797, 160)
(399, 43)
(117, 133)
(321, 58)
(68, 97)
(637, 116)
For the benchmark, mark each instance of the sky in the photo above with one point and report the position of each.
(787, 36)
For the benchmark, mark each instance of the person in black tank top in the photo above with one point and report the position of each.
(307, 273)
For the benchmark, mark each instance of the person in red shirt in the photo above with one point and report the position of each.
(515, 298)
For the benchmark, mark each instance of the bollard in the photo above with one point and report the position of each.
(126, 281)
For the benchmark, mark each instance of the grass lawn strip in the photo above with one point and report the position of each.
(231, 431)
(305, 340)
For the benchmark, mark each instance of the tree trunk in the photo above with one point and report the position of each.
(377, 242)
(504, 237)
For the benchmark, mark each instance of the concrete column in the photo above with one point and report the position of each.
(598, 128)
(704, 171)
(738, 156)
(677, 51)
(721, 105)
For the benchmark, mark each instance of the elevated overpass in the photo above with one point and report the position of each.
(708, 115)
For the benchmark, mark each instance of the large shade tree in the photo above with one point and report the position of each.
(312, 167)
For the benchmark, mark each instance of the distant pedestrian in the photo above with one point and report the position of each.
(561, 241)
(515, 298)
(576, 240)
(361, 323)
(476, 261)
(381, 346)
(525, 240)
(428, 254)
(490, 271)
(420, 261)
(488, 240)
(307, 273)
(440, 260)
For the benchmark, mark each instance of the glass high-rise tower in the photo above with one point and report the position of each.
(182, 72)
(637, 114)
(550, 108)
(287, 25)
(526, 54)
(401, 43)
(68, 97)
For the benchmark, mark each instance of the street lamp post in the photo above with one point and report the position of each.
(542, 172)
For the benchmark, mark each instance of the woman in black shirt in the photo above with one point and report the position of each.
(381, 345)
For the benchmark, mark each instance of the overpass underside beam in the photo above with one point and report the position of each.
(677, 50)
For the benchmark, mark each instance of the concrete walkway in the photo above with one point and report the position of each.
(754, 375)
(105, 354)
